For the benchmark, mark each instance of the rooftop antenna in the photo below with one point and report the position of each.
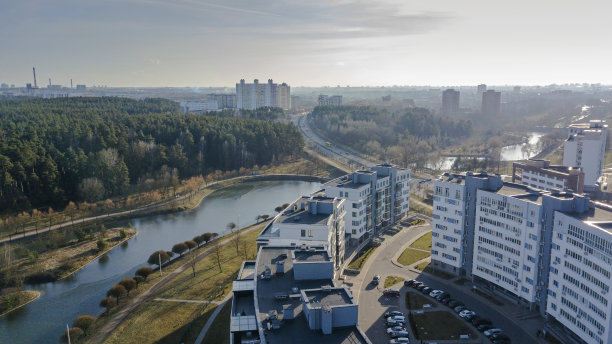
(70, 83)
(34, 71)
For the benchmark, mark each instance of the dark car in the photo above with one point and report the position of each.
(458, 309)
(484, 327)
(375, 280)
(421, 287)
(499, 336)
(455, 303)
(409, 283)
(416, 284)
(447, 300)
(481, 321)
(391, 292)
(426, 290)
(442, 296)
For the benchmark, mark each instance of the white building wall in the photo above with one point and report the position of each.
(542, 181)
(506, 242)
(355, 206)
(447, 223)
(587, 150)
(580, 279)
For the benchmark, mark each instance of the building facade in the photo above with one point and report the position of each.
(491, 103)
(325, 100)
(585, 147)
(256, 95)
(542, 175)
(450, 102)
(375, 198)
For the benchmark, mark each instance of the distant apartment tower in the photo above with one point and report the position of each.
(585, 148)
(327, 100)
(375, 198)
(450, 102)
(295, 102)
(480, 89)
(256, 95)
(491, 103)
(224, 101)
(542, 175)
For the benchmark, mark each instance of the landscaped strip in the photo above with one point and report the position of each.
(439, 325)
(411, 256)
(392, 280)
(361, 258)
(218, 333)
(415, 301)
(423, 242)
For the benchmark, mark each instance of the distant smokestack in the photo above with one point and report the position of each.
(49, 81)
(70, 83)
(34, 71)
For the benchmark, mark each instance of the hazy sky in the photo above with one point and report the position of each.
(305, 42)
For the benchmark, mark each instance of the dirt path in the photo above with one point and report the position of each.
(102, 334)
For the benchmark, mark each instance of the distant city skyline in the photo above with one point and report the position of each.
(177, 43)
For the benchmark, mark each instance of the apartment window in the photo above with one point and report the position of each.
(303, 234)
(310, 233)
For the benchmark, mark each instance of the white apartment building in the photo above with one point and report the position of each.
(579, 281)
(585, 148)
(310, 221)
(541, 175)
(375, 198)
(256, 95)
(447, 223)
(507, 238)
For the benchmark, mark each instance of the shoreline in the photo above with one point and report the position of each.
(23, 304)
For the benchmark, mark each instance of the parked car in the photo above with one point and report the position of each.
(447, 300)
(434, 293)
(499, 336)
(392, 313)
(458, 309)
(455, 303)
(421, 287)
(426, 290)
(480, 321)
(466, 312)
(395, 328)
(416, 284)
(501, 341)
(401, 340)
(409, 283)
(397, 320)
(391, 292)
(492, 331)
(469, 317)
(484, 327)
(397, 334)
(442, 296)
(376, 280)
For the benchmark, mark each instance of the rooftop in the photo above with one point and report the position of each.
(279, 293)
(521, 192)
(330, 297)
(347, 181)
(311, 256)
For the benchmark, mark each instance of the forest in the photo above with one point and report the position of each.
(404, 136)
(53, 151)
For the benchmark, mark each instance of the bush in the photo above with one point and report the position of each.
(102, 245)
(116, 291)
(108, 302)
(83, 322)
(138, 279)
(128, 284)
(191, 244)
(75, 333)
(123, 233)
(180, 248)
(155, 257)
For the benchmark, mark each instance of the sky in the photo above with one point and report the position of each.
(305, 42)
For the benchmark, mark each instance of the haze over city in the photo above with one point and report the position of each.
(308, 43)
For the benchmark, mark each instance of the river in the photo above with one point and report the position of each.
(43, 320)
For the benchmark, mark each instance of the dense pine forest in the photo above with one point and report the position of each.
(57, 150)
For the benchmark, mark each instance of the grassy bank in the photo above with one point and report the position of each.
(218, 333)
(13, 300)
(155, 321)
(392, 280)
(361, 258)
(411, 256)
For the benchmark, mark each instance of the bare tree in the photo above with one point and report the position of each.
(193, 259)
(217, 252)
(237, 239)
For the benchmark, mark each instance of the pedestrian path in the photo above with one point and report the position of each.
(212, 318)
(186, 301)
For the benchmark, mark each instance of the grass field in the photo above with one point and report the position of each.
(426, 267)
(392, 280)
(218, 333)
(416, 301)
(361, 258)
(411, 256)
(439, 325)
(153, 321)
(423, 242)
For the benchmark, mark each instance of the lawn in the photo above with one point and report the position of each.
(423, 243)
(439, 325)
(361, 258)
(416, 301)
(155, 321)
(392, 280)
(411, 256)
(10, 301)
(426, 267)
(218, 333)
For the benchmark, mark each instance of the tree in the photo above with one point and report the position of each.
(144, 272)
(180, 248)
(71, 209)
(128, 284)
(139, 279)
(237, 239)
(108, 302)
(207, 236)
(278, 209)
(193, 259)
(116, 291)
(83, 322)
(74, 333)
(91, 189)
(191, 244)
(101, 244)
(265, 217)
(199, 239)
(156, 256)
(230, 226)
(108, 206)
(217, 252)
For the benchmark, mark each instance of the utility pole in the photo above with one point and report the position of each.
(160, 270)
(68, 333)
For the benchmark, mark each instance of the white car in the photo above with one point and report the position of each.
(399, 334)
(436, 292)
(492, 331)
(395, 328)
(400, 340)
(466, 312)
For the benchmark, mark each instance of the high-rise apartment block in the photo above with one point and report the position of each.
(375, 198)
(256, 95)
(325, 100)
(542, 175)
(450, 102)
(550, 250)
(585, 148)
(491, 102)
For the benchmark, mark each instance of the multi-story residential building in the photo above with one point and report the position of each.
(375, 198)
(454, 217)
(310, 221)
(450, 102)
(491, 103)
(256, 95)
(327, 100)
(585, 148)
(542, 175)
(581, 264)
(288, 295)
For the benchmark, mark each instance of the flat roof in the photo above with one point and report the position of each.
(277, 293)
(302, 216)
(311, 256)
(330, 297)
(347, 182)
(522, 192)
(248, 270)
